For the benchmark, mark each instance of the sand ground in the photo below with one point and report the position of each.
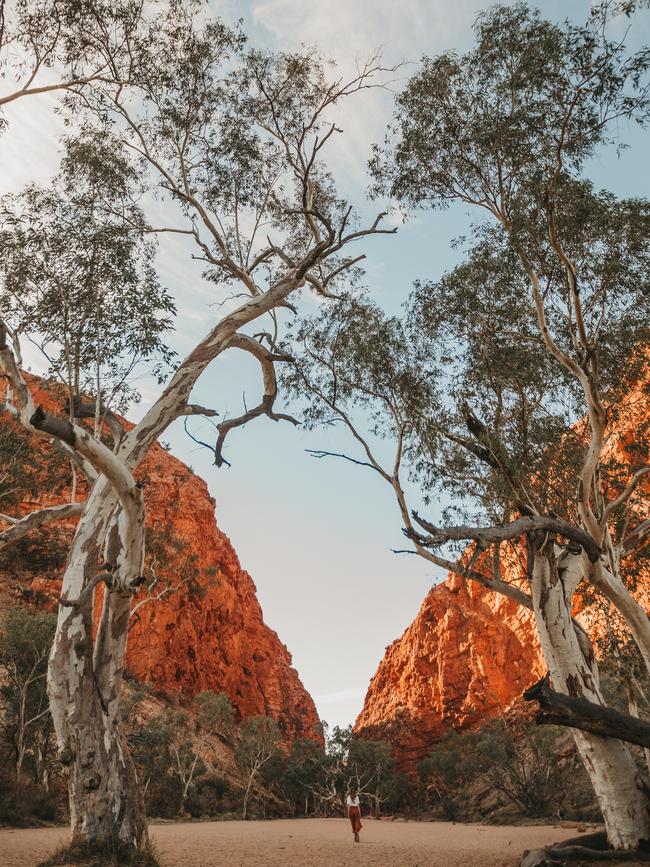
(312, 843)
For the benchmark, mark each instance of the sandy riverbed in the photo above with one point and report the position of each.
(313, 843)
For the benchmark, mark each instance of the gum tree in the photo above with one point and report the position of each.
(259, 739)
(81, 284)
(509, 377)
(235, 140)
(506, 129)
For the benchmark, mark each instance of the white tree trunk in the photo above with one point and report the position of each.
(611, 767)
(106, 803)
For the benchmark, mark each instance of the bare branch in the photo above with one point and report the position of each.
(23, 526)
(266, 359)
(318, 453)
(528, 524)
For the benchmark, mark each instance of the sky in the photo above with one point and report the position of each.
(316, 536)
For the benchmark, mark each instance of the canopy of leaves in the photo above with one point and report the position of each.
(477, 324)
(525, 766)
(215, 712)
(494, 126)
(78, 276)
(234, 136)
(465, 385)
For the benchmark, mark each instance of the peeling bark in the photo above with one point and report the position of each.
(84, 679)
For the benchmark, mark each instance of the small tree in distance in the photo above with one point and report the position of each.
(215, 715)
(25, 643)
(260, 737)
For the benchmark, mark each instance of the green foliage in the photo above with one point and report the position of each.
(215, 712)
(25, 642)
(21, 477)
(248, 155)
(211, 796)
(490, 126)
(507, 127)
(29, 788)
(531, 770)
(470, 401)
(168, 760)
(173, 754)
(297, 776)
(259, 737)
(78, 273)
(315, 781)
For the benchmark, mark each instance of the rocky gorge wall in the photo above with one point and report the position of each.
(465, 658)
(469, 653)
(207, 630)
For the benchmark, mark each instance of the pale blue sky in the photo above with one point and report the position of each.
(316, 535)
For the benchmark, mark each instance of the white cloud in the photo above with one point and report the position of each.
(345, 29)
(350, 33)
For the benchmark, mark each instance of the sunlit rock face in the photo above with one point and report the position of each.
(210, 633)
(469, 654)
(206, 633)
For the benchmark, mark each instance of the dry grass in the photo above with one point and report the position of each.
(111, 854)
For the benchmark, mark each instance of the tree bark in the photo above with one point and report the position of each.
(611, 768)
(555, 708)
(106, 803)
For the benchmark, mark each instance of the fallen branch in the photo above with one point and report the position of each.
(556, 708)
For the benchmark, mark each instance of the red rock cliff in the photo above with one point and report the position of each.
(469, 653)
(209, 633)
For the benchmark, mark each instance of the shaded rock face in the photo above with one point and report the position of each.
(469, 654)
(208, 631)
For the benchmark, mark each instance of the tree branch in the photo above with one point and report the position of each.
(30, 522)
(266, 359)
(556, 708)
(527, 524)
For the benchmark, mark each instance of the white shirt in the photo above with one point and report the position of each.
(352, 802)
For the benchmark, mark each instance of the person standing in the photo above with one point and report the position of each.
(354, 811)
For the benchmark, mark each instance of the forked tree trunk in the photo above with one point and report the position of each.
(106, 802)
(611, 768)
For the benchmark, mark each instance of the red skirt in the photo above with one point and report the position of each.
(355, 818)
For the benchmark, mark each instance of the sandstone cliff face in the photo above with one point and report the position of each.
(469, 654)
(465, 658)
(207, 630)
(210, 633)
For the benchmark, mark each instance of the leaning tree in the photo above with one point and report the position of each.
(234, 139)
(507, 380)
